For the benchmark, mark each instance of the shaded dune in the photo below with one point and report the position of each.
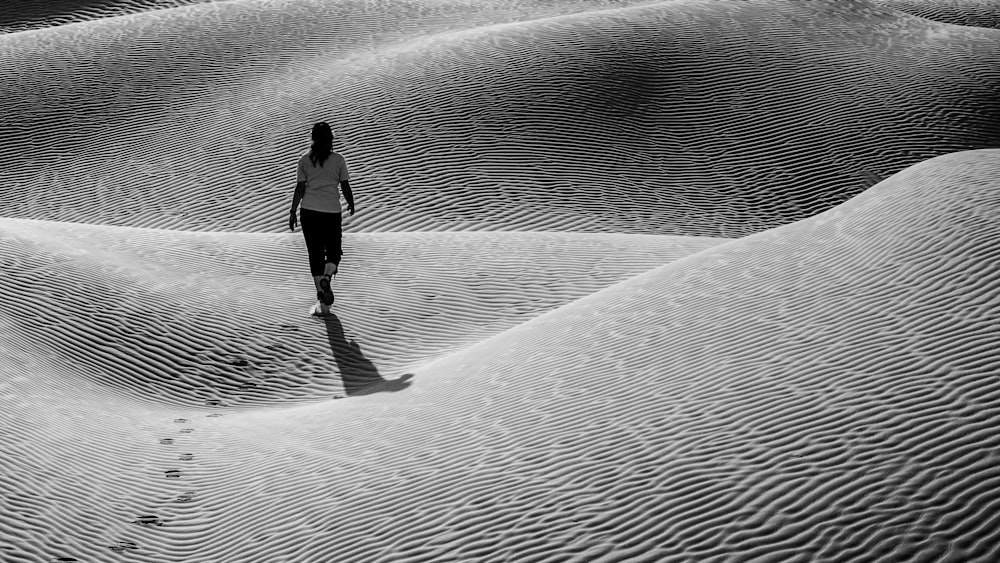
(973, 13)
(753, 115)
(105, 115)
(822, 391)
(185, 318)
(18, 16)
(721, 118)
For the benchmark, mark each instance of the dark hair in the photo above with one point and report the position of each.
(322, 137)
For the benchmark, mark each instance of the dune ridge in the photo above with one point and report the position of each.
(701, 145)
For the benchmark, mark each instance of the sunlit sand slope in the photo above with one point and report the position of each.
(975, 13)
(823, 391)
(185, 318)
(689, 118)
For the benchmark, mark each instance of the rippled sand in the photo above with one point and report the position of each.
(677, 281)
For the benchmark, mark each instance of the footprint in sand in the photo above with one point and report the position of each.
(122, 546)
(213, 403)
(187, 430)
(149, 521)
(180, 420)
(167, 441)
(214, 415)
(239, 362)
(185, 497)
(186, 457)
(173, 473)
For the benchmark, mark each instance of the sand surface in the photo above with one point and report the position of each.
(972, 13)
(629, 281)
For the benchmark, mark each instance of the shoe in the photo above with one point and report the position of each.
(320, 310)
(326, 293)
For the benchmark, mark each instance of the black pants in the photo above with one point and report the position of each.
(323, 238)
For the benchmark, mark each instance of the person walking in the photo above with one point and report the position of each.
(319, 175)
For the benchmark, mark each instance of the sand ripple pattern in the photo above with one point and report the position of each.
(186, 318)
(973, 13)
(686, 118)
(823, 391)
(24, 16)
(617, 377)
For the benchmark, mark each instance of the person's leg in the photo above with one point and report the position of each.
(321, 267)
(313, 232)
(333, 243)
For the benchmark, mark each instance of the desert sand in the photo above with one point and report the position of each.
(629, 281)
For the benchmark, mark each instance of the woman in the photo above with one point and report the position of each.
(320, 172)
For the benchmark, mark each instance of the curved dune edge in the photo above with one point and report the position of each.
(823, 389)
(973, 13)
(185, 318)
(719, 138)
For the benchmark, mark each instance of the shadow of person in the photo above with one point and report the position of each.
(358, 373)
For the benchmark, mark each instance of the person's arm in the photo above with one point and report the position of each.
(345, 186)
(300, 190)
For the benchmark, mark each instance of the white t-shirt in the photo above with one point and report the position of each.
(322, 182)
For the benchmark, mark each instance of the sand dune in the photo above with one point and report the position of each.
(684, 118)
(629, 281)
(187, 317)
(820, 391)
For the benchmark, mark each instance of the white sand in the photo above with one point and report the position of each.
(597, 384)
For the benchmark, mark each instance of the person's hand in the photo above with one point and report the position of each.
(351, 208)
(292, 220)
